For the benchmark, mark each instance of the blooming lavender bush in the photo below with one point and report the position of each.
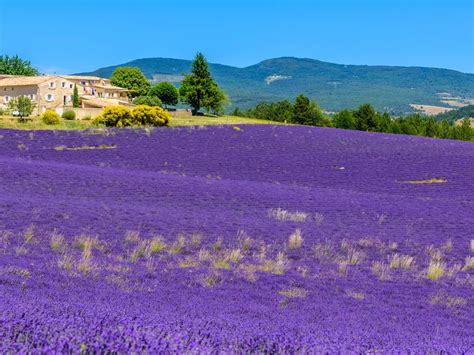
(267, 239)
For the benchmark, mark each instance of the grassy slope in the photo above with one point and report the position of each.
(37, 124)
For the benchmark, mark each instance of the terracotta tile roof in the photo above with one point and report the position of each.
(102, 102)
(82, 77)
(109, 87)
(25, 80)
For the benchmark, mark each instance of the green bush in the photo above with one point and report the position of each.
(50, 117)
(87, 118)
(147, 100)
(150, 116)
(115, 116)
(69, 115)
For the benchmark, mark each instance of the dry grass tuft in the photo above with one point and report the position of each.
(294, 292)
(248, 271)
(426, 181)
(381, 270)
(142, 250)
(354, 257)
(318, 218)
(178, 246)
(218, 244)
(434, 253)
(365, 243)
(211, 280)
(468, 263)
(188, 262)
(277, 266)
(345, 245)
(157, 245)
(405, 262)
(448, 246)
(196, 239)
(324, 252)
(56, 240)
(204, 255)
(29, 234)
(132, 236)
(295, 240)
(342, 267)
(442, 298)
(436, 269)
(284, 215)
(355, 295)
(66, 262)
(393, 246)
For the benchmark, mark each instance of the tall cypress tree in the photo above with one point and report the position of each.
(75, 97)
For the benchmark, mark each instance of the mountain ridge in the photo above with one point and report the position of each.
(334, 86)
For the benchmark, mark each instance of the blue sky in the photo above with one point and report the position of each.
(79, 35)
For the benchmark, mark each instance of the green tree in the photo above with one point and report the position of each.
(166, 92)
(307, 112)
(344, 119)
(383, 122)
(465, 130)
(22, 106)
(147, 100)
(16, 66)
(198, 89)
(131, 79)
(432, 128)
(215, 100)
(444, 129)
(366, 118)
(75, 97)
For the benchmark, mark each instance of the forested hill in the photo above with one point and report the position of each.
(334, 86)
(463, 112)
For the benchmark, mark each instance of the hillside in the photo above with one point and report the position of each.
(335, 86)
(463, 112)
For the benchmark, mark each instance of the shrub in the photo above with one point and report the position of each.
(115, 116)
(69, 115)
(50, 117)
(147, 100)
(150, 116)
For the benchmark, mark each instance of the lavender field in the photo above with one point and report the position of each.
(233, 239)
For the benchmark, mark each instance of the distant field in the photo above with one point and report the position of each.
(431, 110)
(36, 124)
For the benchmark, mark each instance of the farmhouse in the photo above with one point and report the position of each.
(56, 91)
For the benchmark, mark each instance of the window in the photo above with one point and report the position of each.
(49, 97)
(63, 84)
(70, 86)
(6, 98)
